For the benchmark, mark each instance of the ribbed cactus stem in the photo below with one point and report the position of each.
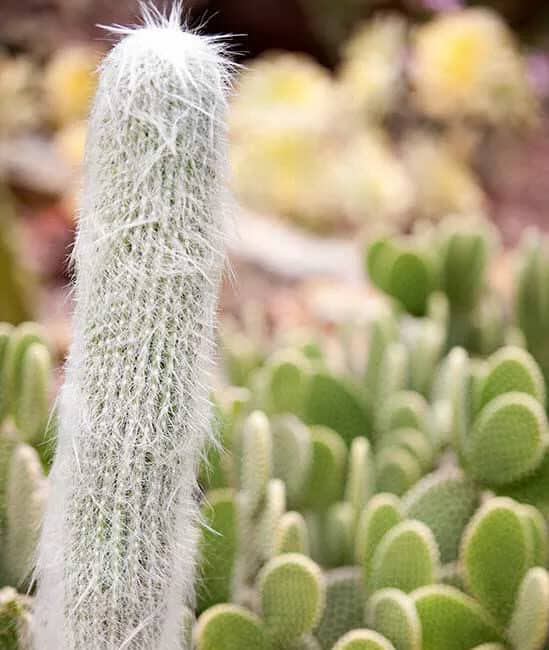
(118, 547)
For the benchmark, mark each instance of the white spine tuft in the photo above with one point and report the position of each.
(116, 558)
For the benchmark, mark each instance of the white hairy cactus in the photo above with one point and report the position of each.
(116, 558)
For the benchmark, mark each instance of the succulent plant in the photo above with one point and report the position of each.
(393, 613)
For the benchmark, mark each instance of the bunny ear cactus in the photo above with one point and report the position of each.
(217, 549)
(451, 619)
(402, 409)
(529, 624)
(118, 547)
(383, 331)
(338, 527)
(26, 494)
(532, 296)
(406, 558)
(257, 459)
(397, 469)
(360, 475)
(496, 552)
(363, 640)
(393, 614)
(426, 348)
(291, 535)
(445, 501)
(230, 627)
(344, 605)
(508, 439)
(292, 593)
(292, 453)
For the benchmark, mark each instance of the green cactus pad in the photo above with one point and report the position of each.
(382, 513)
(334, 403)
(269, 521)
(360, 475)
(380, 256)
(32, 399)
(256, 465)
(411, 281)
(539, 533)
(22, 337)
(393, 613)
(26, 493)
(382, 332)
(396, 470)
(218, 546)
(363, 640)
(450, 620)
(229, 627)
(533, 489)
(292, 453)
(306, 642)
(406, 558)
(451, 574)
(489, 646)
(404, 409)
(339, 529)
(512, 369)
(530, 620)
(292, 535)
(508, 440)
(292, 593)
(464, 258)
(344, 605)
(496, 552)
(286, 385)
(413, 441)
(425, 352)
(393, 372)
(444, 500)
(323, 485)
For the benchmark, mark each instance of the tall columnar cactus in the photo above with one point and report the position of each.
(118, 547)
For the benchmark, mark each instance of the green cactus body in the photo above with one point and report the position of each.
(334, 403)
(406, 558)
(292, 453)
(32, 402)
(15, 633)
(511, 369)
(394, 371)
(286, 383)
(425, 351)
(269, 520)
(537, 526)
(118, 548)
(218, 547)
(382, 332)
(26, 494)
(338, 535)
(291, 535)
(413, 441)
(6, 331)
(363, 640)
(397, 469)
(452, 620)
(496, 551)
(323, 485)
(229, 627)
(292, 594)
(382, 513)
(508, 440)
(401, 410)
(360, 475)
(393, 613)
(529, 624)
(344, 605)
(445, 501)
(257, 459)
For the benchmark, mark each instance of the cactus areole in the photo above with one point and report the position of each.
(116, 558)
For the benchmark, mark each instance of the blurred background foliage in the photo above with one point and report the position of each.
(348, 118)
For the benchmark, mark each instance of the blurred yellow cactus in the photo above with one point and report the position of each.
(374, 184)
(69, 82)
(19, 101)
(288, 90)
(466, 63)
(371, 72)
(287, 172)
(443, 181)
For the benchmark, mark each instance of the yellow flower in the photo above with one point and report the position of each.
(371, 73)
(69, 83)
(444, 183)
(283, 90)
(374, 184)
(467, 64)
